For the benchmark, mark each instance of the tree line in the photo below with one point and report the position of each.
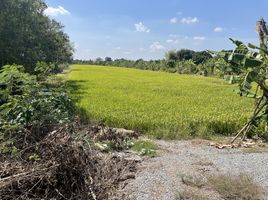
(182, 61)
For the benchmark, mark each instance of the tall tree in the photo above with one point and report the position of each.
(201, 57)
(27, 35)
(185, 54)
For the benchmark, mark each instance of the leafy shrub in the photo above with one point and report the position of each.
(30, 104)
(13, 82)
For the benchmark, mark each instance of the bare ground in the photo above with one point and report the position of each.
(163, 177)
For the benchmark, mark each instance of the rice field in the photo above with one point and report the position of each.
(160, 104)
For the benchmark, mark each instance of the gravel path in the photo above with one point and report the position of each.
(160, 178)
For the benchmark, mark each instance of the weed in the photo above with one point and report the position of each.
(190, 195)
(241, 187)
(193, 180)
(144, 148)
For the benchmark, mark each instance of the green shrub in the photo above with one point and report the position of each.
(30, 104)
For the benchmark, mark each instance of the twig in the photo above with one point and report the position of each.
(31, 188)
(59, 193)
(19, 176)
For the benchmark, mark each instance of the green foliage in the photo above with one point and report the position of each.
(13, 82)
(181, 61)
(186, 54)
(31, 104)
(144, 148)
(160, 104)
(201, 57)
(249, 64)
(223, 68)
(140, 147)
(252, 68)
(187, 67)
(171, 63)
(28, 36)
(171, 55)
(34, 157)
(7, 147)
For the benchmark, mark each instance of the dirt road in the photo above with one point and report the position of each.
(165, 176)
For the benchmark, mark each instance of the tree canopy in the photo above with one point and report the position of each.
(27, 35)
(187, 54)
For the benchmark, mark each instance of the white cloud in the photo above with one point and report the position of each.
(117, 48)
(172, 41)
(156, 46)
(50, 11)
(173, 20)
(199, 38)
(141, 28)
(218, 29)
(185, 37)
(189, 20)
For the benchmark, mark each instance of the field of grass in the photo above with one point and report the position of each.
(157, 103)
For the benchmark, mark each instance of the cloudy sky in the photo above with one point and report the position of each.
(148, 28)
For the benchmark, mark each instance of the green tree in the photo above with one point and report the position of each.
(27, 35)
(171, 55)
(185, 54)
(201, 57)
(108, 59)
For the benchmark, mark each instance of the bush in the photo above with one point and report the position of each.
(30, 104)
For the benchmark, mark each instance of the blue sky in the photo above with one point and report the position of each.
(148, 28)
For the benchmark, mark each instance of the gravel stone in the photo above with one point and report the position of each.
(159, 178)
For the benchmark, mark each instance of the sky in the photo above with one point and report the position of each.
(147, 29)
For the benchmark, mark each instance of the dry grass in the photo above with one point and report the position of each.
(222, 186)
(255, 150)
(193, 181)
(191, 195)
(241, 187)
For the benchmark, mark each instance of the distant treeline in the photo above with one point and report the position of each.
(183, 61)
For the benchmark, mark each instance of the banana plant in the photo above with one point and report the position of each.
(251, 63)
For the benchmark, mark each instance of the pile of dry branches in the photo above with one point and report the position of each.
(61, 166)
